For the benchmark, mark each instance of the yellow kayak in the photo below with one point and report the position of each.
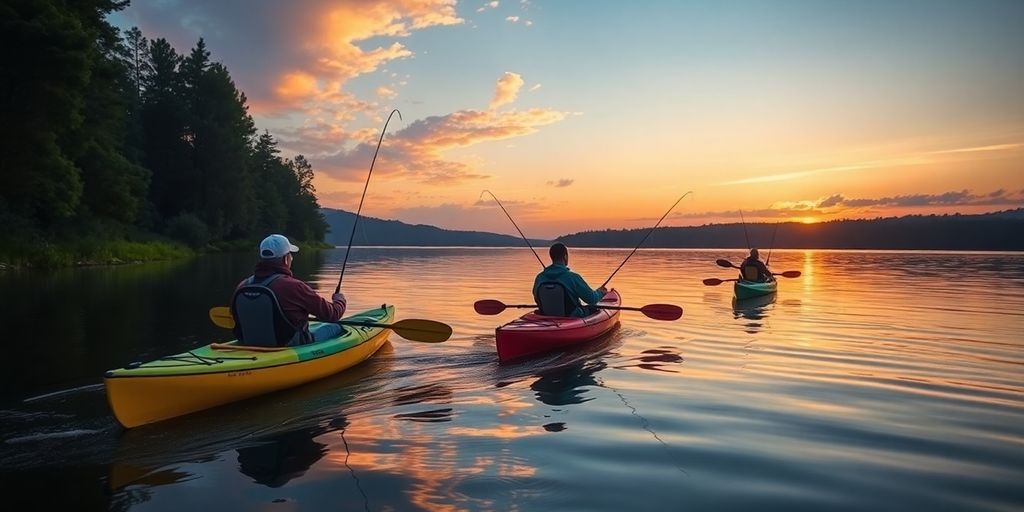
(220, 373)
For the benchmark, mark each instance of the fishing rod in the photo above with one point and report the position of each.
(745, 233)
(645, 238)
(772, 246)
(527, 240)
(360, 209)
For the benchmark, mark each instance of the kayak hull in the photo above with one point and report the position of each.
(533, 334)
(218, 374)
(751, 289)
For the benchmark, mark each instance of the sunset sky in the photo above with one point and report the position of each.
(586, 115)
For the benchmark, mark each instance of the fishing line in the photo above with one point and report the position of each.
(516, 225)
(355, 222)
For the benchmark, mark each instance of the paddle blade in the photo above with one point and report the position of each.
(725, 263)
(221, 317)
(489, 307)
(790, 273)
(427, 331)
(713, 281)
(662, 311)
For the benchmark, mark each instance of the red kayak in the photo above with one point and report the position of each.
(533, 334)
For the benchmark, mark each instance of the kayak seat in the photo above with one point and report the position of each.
(554, 300)
(259, 319)
(750, 273)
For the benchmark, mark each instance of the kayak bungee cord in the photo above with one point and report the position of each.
(516, 225)
(360, 209)
(645, 239)
(195, 360)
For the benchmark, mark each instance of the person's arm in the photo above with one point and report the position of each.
(585, 292)
(319, 307)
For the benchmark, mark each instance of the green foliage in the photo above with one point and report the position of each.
(44, 66)
(87, 251)
(189, 229)
(106, 129)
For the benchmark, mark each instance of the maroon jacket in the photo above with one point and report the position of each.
(297, 299)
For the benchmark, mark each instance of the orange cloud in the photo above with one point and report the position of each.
(507, 89)
(839, 206)
(912, 159)
(417, 151)
(297, 84)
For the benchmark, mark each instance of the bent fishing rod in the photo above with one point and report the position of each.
(644, 239)
(360, 209)
(527, 240)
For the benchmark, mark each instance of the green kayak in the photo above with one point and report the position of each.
(751, 289)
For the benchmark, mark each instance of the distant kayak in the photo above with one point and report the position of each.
(221, 373)
(749, 289)
(534, 334)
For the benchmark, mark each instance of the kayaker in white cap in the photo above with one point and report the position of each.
(272, 307)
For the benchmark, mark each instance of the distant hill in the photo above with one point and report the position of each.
(373, 231)
(999, 231)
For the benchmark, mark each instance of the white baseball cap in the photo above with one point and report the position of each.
(276, 246)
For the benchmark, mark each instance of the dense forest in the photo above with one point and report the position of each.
(107, 135)
(999, 231)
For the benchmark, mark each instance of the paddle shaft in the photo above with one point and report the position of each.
(527, 240)
(623, 308)
(360, 209)
(606, 281)
(222, 317)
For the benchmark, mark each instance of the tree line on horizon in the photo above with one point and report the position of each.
(107, 133)
(990, 232)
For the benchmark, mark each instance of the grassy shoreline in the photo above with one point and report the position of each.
(87, 252)
(43, 255)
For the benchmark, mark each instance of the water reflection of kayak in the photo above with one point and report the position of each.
(279, 423)
(753, 303)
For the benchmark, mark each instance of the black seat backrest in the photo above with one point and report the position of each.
(554, 300)
(259, 320)
(751, 273)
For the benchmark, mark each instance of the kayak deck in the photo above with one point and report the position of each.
(217, 374)
(533, 334)
(750, 289)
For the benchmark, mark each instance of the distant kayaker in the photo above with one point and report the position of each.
(752, 269)
(558, 290)
(272, 307)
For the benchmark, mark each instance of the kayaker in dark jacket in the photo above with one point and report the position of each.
(762, 272)
(258, 322)
(563, 300)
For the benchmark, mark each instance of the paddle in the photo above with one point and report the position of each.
(711, 281)
(427, 331)
(606, 281)
(360, 209)
(655, 311)
(725, 263)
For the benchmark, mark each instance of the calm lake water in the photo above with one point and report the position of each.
(876, 381)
